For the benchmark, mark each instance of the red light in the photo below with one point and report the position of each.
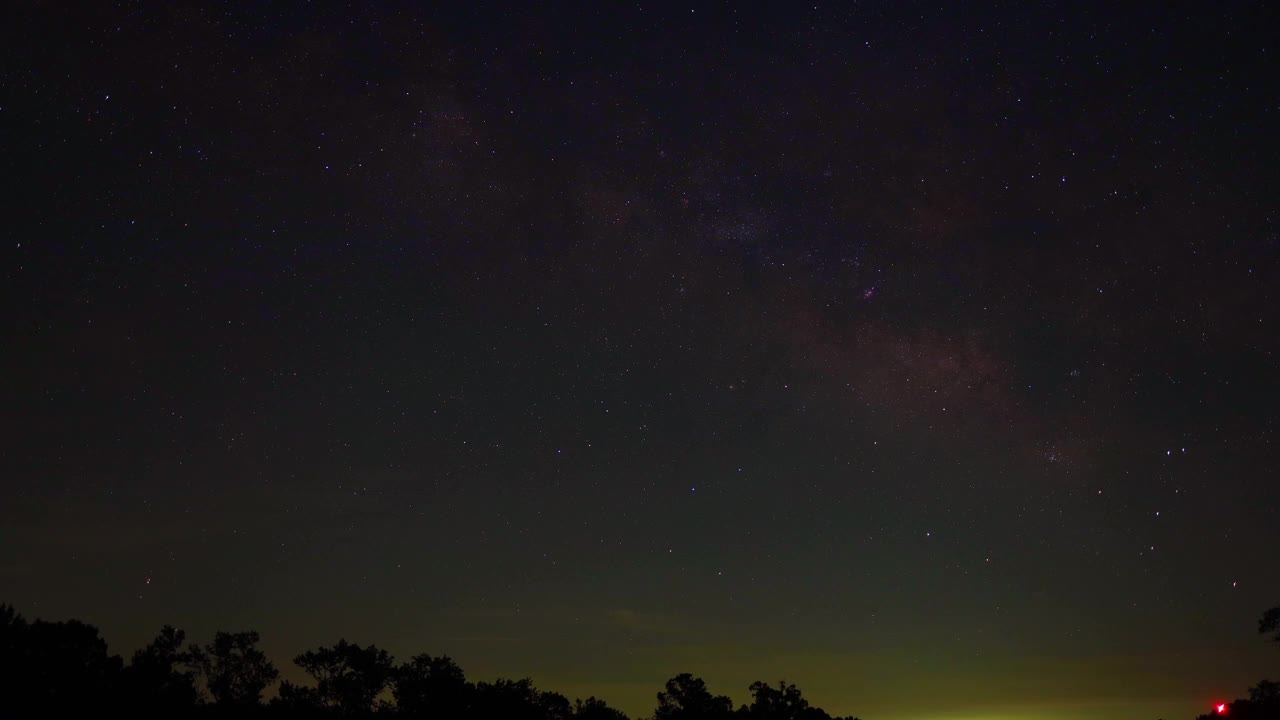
(1221, 708)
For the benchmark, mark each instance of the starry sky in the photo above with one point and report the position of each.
(923, 356)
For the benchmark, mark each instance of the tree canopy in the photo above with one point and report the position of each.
(236, 672)
(1270, 623)
(61, 668)
(686, 697)
(349, 678)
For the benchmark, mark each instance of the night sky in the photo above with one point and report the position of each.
(924, 357)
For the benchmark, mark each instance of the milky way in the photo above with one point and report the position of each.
(925, 358)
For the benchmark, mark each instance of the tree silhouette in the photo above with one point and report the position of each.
(13, 629)
(1266, 692)
(159, 676)
(553, 706)
(430, 687)
(236, 672)
(510, 700)
(297, 700)
(349, 678)
(55, 667)
(1270, 623)
(596, 709)
(781, 703)
(686, 698)
(63, 669)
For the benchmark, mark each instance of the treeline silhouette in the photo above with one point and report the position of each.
(60, 669)
(63, 669)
